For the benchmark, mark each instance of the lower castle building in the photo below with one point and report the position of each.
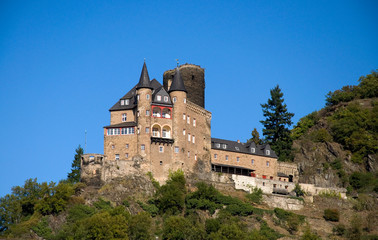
(161, 128)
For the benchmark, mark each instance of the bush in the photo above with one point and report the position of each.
(42, 229)
(289, 220)
(178, 227)
(321, 135)
(308, 235)
(331, 215)
(339, 230)
(304, 124)
(255, 196)
(298, 190)
(140, 227)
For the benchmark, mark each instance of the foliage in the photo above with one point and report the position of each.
(332, 215)
(298, 190)
(140, 227)
(364, 182)
(255, 196)
(364, 202)
(42, 229)
(255, 137)
(102, 204)
(321, 135)
(74, 175)
(356, 128)
(178, 227)
(304, 124)
(150, 208)
(103, 225)
(339, 230)
(277, 120)
(289, 220)
(355, 230)
(153, 180)
(308, 235)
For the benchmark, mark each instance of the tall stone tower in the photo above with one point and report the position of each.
(194, 81)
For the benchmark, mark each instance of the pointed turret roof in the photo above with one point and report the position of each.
(144, 81)
(177, 82)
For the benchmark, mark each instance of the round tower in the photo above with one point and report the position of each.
(194, 81)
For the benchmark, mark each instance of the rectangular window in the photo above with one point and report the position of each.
(127, 102)
(215, 156)
(189, 137)
(147, 112)
(161, 149)
(194, 122)
(127, 155)
(184, 100)
(148, 96)
(183, 116)
(188, 119)
(161, 162)
(117, 157)
(224, 146)
(127, 145)
(174, 99)
(116, 131)
(267, 152)
(226, 157)
(237, 159)
(183, 132)
(125, 131)
(165, 98)
(188, 154)
(253, 161)
(253, 150)
(177, 149)
(217, 145)
(158, 97)
(267, 163)
(147, 130)
(122, 102)
(193, 139)
(142, 147)
(195, 157)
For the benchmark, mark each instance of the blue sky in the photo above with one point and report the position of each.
(63, 64)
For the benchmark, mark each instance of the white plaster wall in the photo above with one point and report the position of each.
(266, 185)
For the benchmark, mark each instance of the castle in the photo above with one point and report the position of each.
(161, 128)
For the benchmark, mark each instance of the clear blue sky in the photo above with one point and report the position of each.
(63, 64)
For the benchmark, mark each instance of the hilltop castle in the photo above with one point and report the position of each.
(159, 128)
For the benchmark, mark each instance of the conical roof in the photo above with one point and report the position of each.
(177, 82)
(144, 81)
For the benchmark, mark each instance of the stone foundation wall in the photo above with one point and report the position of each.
(313, 190)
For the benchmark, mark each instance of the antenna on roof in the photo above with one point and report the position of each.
(177, 62)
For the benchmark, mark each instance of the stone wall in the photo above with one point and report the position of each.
(246, 183)
(313, 190)
(284, 202)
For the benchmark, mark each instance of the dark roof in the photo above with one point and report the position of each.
(163, 96)
(280, 174)
(124, 124)
(144, 80)
(232, 146)
(177, 82)
(233, 166)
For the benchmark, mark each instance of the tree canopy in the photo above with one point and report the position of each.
(74, 175)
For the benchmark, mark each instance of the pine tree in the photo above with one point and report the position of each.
(276, 123)
(74, 175)
(255, 137)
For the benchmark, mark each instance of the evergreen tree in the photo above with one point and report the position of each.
(277, 120)
(74, 175)
(255, 137)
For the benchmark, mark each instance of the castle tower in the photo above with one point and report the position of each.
(193, 77)
(143, 115)
(178, 94)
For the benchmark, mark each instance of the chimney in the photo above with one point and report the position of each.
(238, 141)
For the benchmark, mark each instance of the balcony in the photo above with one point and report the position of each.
(163, 141)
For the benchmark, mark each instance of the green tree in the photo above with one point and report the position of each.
(74, 175)
(276, 123)
(255, 137)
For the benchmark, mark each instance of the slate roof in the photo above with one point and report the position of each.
(164, 96)
(232, 146)
(144, 80)
(177, 82)
(124, 124)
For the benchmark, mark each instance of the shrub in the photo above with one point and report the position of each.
(140, 227)
(152, 209)
(331, 215)
(289, 220)
(255, 196)
(42, 229)
(101, 204)
(304, 124)
(308, 235)
(321, 135)
(298, 190)
(339, 230)
(178, 227)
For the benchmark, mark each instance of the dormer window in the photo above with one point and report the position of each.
(237, 148)
(253, 150)
(217, 145)
(267, 152)
(158, 97)
(224, 146)
(127, 101)
(122, 102)
(165, 98)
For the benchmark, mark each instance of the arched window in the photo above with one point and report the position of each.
(166, 132)
(166, 113)
(156, 112)
(156, 131)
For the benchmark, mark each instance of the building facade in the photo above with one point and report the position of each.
(168, 127)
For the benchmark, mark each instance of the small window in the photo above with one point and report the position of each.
(161, 149)
(217, 145)
(161, 162)
(271, 177)
(188, 154)
(122, 102)
(253, 150)
(177, 149)
(142, 147)
(147, 112)
(158, 97)
(113, 146)
(127, 145)
(237, 159)
(263, 182)
(267, 163)
(148, 96)
(165, 98)
(184, 100)
(117, 157)
(226, 157)
(274, 185)
(253, 161)
(224, 146)
(147, 130)
(174, 99)
(124, 117)
(127, 155)
(188, 119)
(183, 116)
(138, 113)
(189, 137)
(127, 102)
(215, 156)
(138, 97)
(237, 148)
(183, 132)
(194, 139)
(267, 152)
(194, 122)
(195, 157)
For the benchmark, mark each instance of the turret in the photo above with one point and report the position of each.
(144, 96)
